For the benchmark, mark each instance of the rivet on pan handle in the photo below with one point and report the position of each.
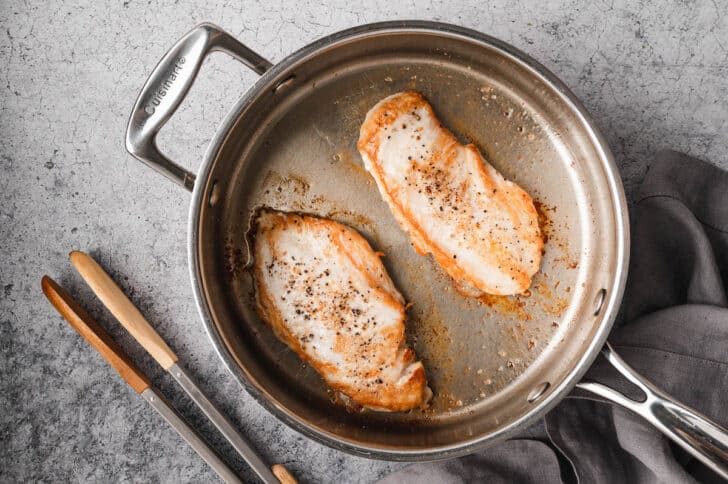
(169, 84)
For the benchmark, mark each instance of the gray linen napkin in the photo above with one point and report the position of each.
(676, 336)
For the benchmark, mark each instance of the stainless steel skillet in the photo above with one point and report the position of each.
(290, 143)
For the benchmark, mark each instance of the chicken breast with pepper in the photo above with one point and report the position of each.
(481, 228)
(327, 295)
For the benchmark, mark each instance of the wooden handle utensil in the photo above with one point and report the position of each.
(94, 334)
(120, 361)
(123, 309)
(132, 319)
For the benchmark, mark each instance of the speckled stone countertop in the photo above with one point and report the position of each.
(653, 74)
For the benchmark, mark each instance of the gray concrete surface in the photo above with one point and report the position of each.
(653, 74)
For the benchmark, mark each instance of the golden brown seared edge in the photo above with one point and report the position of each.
(327, 295)
(481, 228)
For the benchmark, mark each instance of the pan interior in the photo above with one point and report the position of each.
(294, 148)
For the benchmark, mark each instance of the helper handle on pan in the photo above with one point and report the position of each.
(694, 432)
(168, 85)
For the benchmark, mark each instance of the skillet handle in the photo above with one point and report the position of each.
(168, 85)
(694, 432)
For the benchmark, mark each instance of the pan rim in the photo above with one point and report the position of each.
(610, 307)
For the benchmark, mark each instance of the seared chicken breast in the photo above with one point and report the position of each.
(327, 295)
(481, 228)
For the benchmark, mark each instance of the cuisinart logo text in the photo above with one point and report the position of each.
(165, 86)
